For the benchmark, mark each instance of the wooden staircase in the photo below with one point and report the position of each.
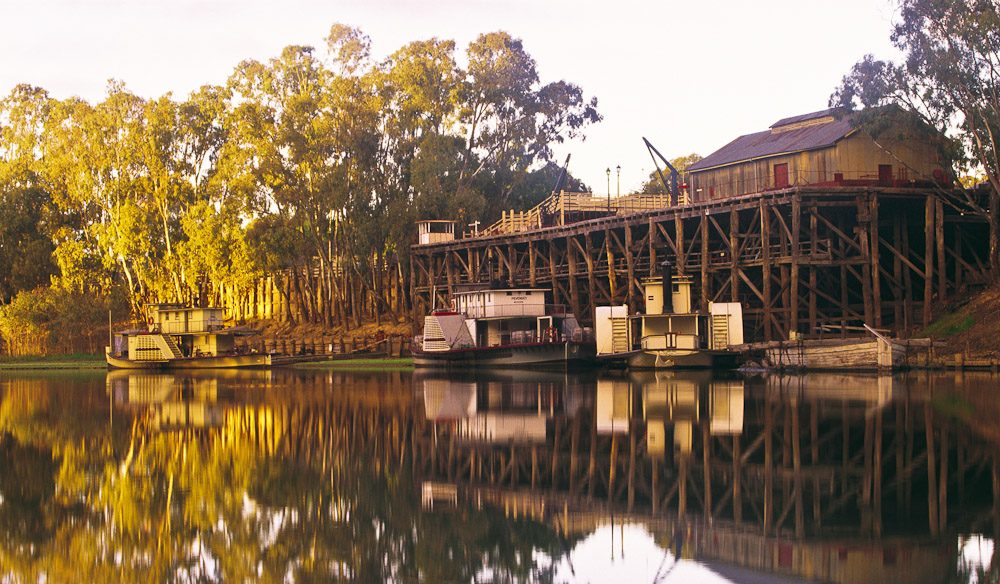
(620, 336)
(720, 331)
(175, 351)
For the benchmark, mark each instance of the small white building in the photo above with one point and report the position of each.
(435, 231)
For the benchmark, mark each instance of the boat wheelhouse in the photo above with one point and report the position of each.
(502, 326)
(670, 334)
(180, 337)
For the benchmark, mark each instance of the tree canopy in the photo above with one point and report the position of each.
(947, 80)
(312, 159)
(653, 183)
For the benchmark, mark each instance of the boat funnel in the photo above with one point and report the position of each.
(667, 273)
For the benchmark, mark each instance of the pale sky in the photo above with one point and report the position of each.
(690, 76)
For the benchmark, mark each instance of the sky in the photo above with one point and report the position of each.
(689, 76)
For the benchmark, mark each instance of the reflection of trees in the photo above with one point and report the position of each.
(315, 488)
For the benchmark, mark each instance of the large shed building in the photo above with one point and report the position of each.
(824, 148)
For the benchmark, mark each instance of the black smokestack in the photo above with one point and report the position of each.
(667, 273)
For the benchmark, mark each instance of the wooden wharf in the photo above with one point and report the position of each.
(805, 258)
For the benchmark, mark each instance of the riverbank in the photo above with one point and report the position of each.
(35, 363)
(360, 364)
(969, 330)
(69, 362)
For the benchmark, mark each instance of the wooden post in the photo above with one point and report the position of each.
(796, 260)
(532, 277)
(734, 243)
(591, 278)
(705, 292)
(876, 272)
(908, 316)
(630, 267)
(765, 250)
(654, 234)
(813, 241)
(928, 258)
(574, 293)
(897, 275)
(864, 228)
(612, 284)
(939, 238)
(552, 272)
(681, 266)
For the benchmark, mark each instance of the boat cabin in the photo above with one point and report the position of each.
(174, 319)
(668, 322)
(176, 332)
(491, 317)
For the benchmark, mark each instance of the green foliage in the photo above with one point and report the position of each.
(300, 159)
(654, 184)
(53, 320)
(950, 325)
(945, 89)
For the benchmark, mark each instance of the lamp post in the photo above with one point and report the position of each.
(618, 192)
(608, 172)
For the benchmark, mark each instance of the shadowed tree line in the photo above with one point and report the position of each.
(316, 161)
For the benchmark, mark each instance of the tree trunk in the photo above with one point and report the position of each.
(994, 232)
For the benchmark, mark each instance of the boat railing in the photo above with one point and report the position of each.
(515, 310)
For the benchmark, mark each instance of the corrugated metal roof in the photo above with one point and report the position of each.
(833, 111)
(770, 143)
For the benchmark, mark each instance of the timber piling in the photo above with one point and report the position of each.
(799, 259)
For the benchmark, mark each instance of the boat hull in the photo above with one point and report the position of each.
(681, 359)
(840, 355)
(525, 355)
(216, 362)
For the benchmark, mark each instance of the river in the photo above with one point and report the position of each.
(400, 476)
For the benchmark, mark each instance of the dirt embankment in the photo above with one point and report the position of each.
(274, 328)
(971, 325)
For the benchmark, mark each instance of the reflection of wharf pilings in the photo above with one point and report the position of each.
(801, 464)
(831, 559)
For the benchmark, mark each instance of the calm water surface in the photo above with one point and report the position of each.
(504, 477)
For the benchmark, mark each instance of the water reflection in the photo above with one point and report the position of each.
(505, 477)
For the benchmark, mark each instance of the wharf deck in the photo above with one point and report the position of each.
(799, 259)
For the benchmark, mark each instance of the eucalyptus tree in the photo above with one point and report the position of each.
(285, 152)
(27, 218)
(509, 121)
(947, 81)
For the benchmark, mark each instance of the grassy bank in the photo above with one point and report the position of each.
(970, 325)
(361, 364)
(34, 362)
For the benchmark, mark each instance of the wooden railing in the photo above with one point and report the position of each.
(564, 207)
